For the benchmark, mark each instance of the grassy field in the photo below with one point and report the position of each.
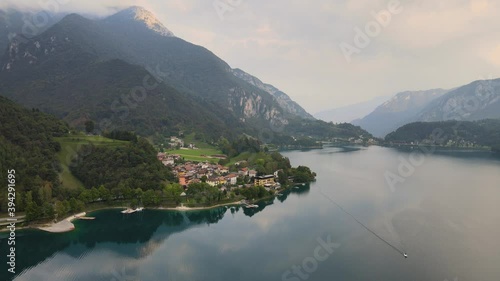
(199, 144)
(69, 148)
(196, 154)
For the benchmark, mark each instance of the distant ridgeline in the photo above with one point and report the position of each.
(464, 134)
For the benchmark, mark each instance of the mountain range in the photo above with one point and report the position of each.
(475, 101)
(128, 71)
(397, 111)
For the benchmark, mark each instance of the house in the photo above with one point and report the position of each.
(222, 169)
(252, 173)
(264, 180)
(168, 162)
(232, 179)
(213, 181)
(183, 179)
(243, 172)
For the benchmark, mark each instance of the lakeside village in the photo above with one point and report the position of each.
(217, 175)
(263, 174)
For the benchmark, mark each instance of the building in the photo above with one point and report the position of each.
(232, 179)
(264, 180)
(252, 173)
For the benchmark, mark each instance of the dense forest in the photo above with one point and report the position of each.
(28, 147)
(483, 133)
(130, 166)
(324, 130)
(128, 173)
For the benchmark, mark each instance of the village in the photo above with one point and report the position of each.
(225, 178)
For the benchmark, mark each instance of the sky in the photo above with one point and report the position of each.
(330, 53)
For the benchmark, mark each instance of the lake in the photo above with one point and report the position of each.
(444, 211)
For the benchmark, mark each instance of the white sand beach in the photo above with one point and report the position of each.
(63, 226)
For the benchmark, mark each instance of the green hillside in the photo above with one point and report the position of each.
(27, 145)
(483, 133)
(69, 149)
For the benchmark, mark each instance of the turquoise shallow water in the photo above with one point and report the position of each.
(446, 215)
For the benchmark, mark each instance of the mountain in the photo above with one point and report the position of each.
(140, 20)
(283, 99)
(131, 71)
(399, 110)
(60, 76)
(452, 133)
(22, 25)
(475, 101)
(350, 112)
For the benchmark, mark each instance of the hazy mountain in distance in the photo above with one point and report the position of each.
(283, 99)
(350, 112)
(475, 101)
(403, 108)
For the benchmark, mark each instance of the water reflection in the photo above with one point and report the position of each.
(445, 215)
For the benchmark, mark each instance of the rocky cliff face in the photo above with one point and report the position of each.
(285, 102)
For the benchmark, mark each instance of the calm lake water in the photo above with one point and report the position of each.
(445, 215)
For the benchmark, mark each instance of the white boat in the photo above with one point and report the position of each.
(251, 206)
(139, 209)
(406, 255)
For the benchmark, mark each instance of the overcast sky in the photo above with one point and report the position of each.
(295, 44)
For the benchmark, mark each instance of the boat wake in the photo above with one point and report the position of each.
(401, 251)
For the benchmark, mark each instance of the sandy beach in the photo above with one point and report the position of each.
(63, 226)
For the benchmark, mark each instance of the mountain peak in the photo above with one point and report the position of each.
(142, 16)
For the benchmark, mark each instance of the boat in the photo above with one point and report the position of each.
(406, 255)
(251, 206)
(139, 209)
(280, 194)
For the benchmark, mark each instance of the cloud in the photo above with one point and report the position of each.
(293, 44)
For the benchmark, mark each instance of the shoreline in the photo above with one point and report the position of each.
(66, 224)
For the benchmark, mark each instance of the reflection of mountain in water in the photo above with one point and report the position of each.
(120, 233)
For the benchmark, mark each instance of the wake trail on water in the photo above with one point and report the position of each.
(402, 252)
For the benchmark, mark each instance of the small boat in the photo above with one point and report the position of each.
(251, 206)
(139, 209)
(280, 194)
(405, 255)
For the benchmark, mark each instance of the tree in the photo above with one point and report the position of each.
(89, 126)
(150, 198)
